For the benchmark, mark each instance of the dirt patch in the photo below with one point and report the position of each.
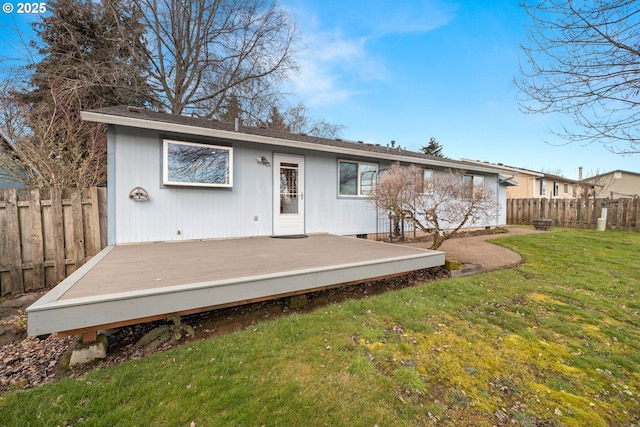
(28, 362)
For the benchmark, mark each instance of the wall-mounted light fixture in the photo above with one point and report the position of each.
(139, 194)
(263, 160)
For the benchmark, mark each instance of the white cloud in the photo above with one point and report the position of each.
(337, 62)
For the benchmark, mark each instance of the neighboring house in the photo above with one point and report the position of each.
(532, 184)
(7, 178)
(616, 184)
(180, 178)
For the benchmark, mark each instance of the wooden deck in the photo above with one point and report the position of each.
(135, 283)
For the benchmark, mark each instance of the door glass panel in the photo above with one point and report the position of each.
(289, 188)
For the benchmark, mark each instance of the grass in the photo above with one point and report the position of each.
(555, 342)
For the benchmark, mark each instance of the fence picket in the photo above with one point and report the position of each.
(46, 234)
(36, 242)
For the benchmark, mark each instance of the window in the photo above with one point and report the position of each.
(472, 182)
(200, 165)
(427, 183)
(556, 188)
(566, 189)
(574, 190)
(542, 187)
(356, 179)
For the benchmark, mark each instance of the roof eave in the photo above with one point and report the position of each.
(111, 119)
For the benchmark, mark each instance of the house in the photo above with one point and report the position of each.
(204, 179)
(7, 178)
(616, 184)
(193, 205)
(534, 185)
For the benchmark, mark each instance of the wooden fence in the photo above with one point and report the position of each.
(622, 214)
(45, 235)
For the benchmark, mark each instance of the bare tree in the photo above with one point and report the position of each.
(582, 60)
(83, 63)
(48, 145)
(298, 120)
(440, 205)
(202, 51)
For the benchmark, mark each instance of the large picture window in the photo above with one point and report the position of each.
(355, 178)
(200, 165)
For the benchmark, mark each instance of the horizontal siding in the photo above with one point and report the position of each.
(627, 185)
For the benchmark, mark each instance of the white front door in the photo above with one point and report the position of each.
(288, 195)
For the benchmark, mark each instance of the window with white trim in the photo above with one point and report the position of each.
(427, 181)
(199, 165)
(542, 187)
(472, 183)
(356, 178)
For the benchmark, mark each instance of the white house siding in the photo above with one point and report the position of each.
(179, 213)
(326, 211)
(245, 210)
(502, 200)
(204, 213)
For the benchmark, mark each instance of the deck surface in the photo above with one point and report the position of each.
(136, 281)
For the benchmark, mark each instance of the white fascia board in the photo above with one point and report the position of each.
(259, 139)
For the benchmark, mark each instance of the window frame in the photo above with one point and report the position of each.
(427, 182)
(474, 182)
(359, 183)
(166, 173)
(542, 187)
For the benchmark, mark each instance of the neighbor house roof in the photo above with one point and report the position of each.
(516, 170)
(147, 119)
(610, 173)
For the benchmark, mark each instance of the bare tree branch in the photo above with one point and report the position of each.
(202, 51)
(441, 205)
(583, 59)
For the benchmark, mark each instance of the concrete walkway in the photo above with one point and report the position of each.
(476, 249)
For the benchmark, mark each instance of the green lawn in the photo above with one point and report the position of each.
(553, 343)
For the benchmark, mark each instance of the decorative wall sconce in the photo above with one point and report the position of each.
(139, 194)
(263, 160)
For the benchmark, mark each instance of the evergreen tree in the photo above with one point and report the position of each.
(85, 64)
(276, 120)
(433, 148)
(231, 109)
(85, 48)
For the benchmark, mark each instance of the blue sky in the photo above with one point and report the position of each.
(408, 70)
